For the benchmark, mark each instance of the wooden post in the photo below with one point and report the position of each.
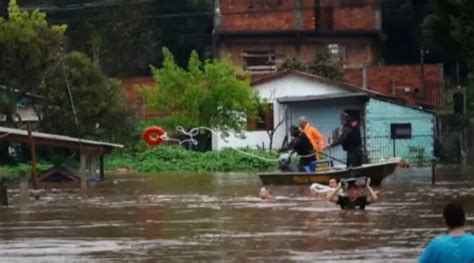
(24, 193)
(101, 160)
(92, 167)
(3, 192)
(433, 172)
(82, 171)
(34, 172)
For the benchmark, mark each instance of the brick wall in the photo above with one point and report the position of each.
(268, 15)
(278, 15)
(384, 78)
(348, 14)
(353, 52)
(134, 98)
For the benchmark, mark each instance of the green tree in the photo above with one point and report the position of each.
(450, 28)
(97, 99)
(208, 93)
(30, 50)
(119, 38)
(322, 65)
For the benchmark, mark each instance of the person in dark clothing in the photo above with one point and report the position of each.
(353, 200)
(303, 147)
(350, 140)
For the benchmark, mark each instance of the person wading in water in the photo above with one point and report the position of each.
(353, 200)
(350, 140)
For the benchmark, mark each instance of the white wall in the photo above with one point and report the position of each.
(287, 86)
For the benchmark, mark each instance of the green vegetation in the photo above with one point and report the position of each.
(450, 28)
(208, 93)
(34, 60)
(173, 159)
(14, 171)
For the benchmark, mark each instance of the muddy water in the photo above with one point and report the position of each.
(220, 218)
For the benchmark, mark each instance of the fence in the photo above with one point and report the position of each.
(417, 149)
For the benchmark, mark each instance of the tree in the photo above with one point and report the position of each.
(30, 50)
(322, 65)
(450, 28)
(264, 111)
(208, 93)
(119, 38)
(97, 99)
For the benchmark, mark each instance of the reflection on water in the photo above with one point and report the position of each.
(220, 218)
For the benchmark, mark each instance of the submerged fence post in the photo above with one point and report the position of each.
(394, 149)
(3, 192)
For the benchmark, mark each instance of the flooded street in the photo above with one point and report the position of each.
(220, 218)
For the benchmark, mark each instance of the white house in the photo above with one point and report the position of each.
(283, 84)
(390, 128)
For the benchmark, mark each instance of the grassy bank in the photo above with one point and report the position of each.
(175, 159)
(13, 172)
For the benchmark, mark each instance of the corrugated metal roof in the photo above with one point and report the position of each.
(321, 97)
(55, 137)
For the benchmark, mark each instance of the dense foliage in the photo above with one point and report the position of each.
(450, 29)
(30, 50)
(98, 101)
(171, 158)
(207, 93)
(34, 60)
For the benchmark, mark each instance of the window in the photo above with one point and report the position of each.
(264, 119)
(400, 130)
(259, 61)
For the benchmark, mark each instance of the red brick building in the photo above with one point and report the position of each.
(135, 100)
(259, 35)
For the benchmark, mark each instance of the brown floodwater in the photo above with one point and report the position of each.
(202, 217)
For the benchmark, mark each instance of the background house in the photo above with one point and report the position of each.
(390, 128)
(260, 35)
(24, 106)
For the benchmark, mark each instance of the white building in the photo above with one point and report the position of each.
(280, 85)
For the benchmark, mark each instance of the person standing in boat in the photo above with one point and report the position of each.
(353, 200)
(314, 136)
(303, 147)
(350, 140)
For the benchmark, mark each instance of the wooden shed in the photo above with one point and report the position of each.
(91, 152)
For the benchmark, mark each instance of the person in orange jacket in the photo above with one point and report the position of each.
(315, 137)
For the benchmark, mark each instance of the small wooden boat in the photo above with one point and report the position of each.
(376, 172)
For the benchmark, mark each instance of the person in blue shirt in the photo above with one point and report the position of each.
(455, 247)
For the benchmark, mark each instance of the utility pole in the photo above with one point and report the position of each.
(216, 26)
(422, 72)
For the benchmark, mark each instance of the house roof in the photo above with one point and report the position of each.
(339, 95)
(27, 94)
(47, 139)
(357, 91)
(312, 77)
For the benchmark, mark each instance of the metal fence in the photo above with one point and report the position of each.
(417, 149)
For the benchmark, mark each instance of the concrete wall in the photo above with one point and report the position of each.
(379, 117)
